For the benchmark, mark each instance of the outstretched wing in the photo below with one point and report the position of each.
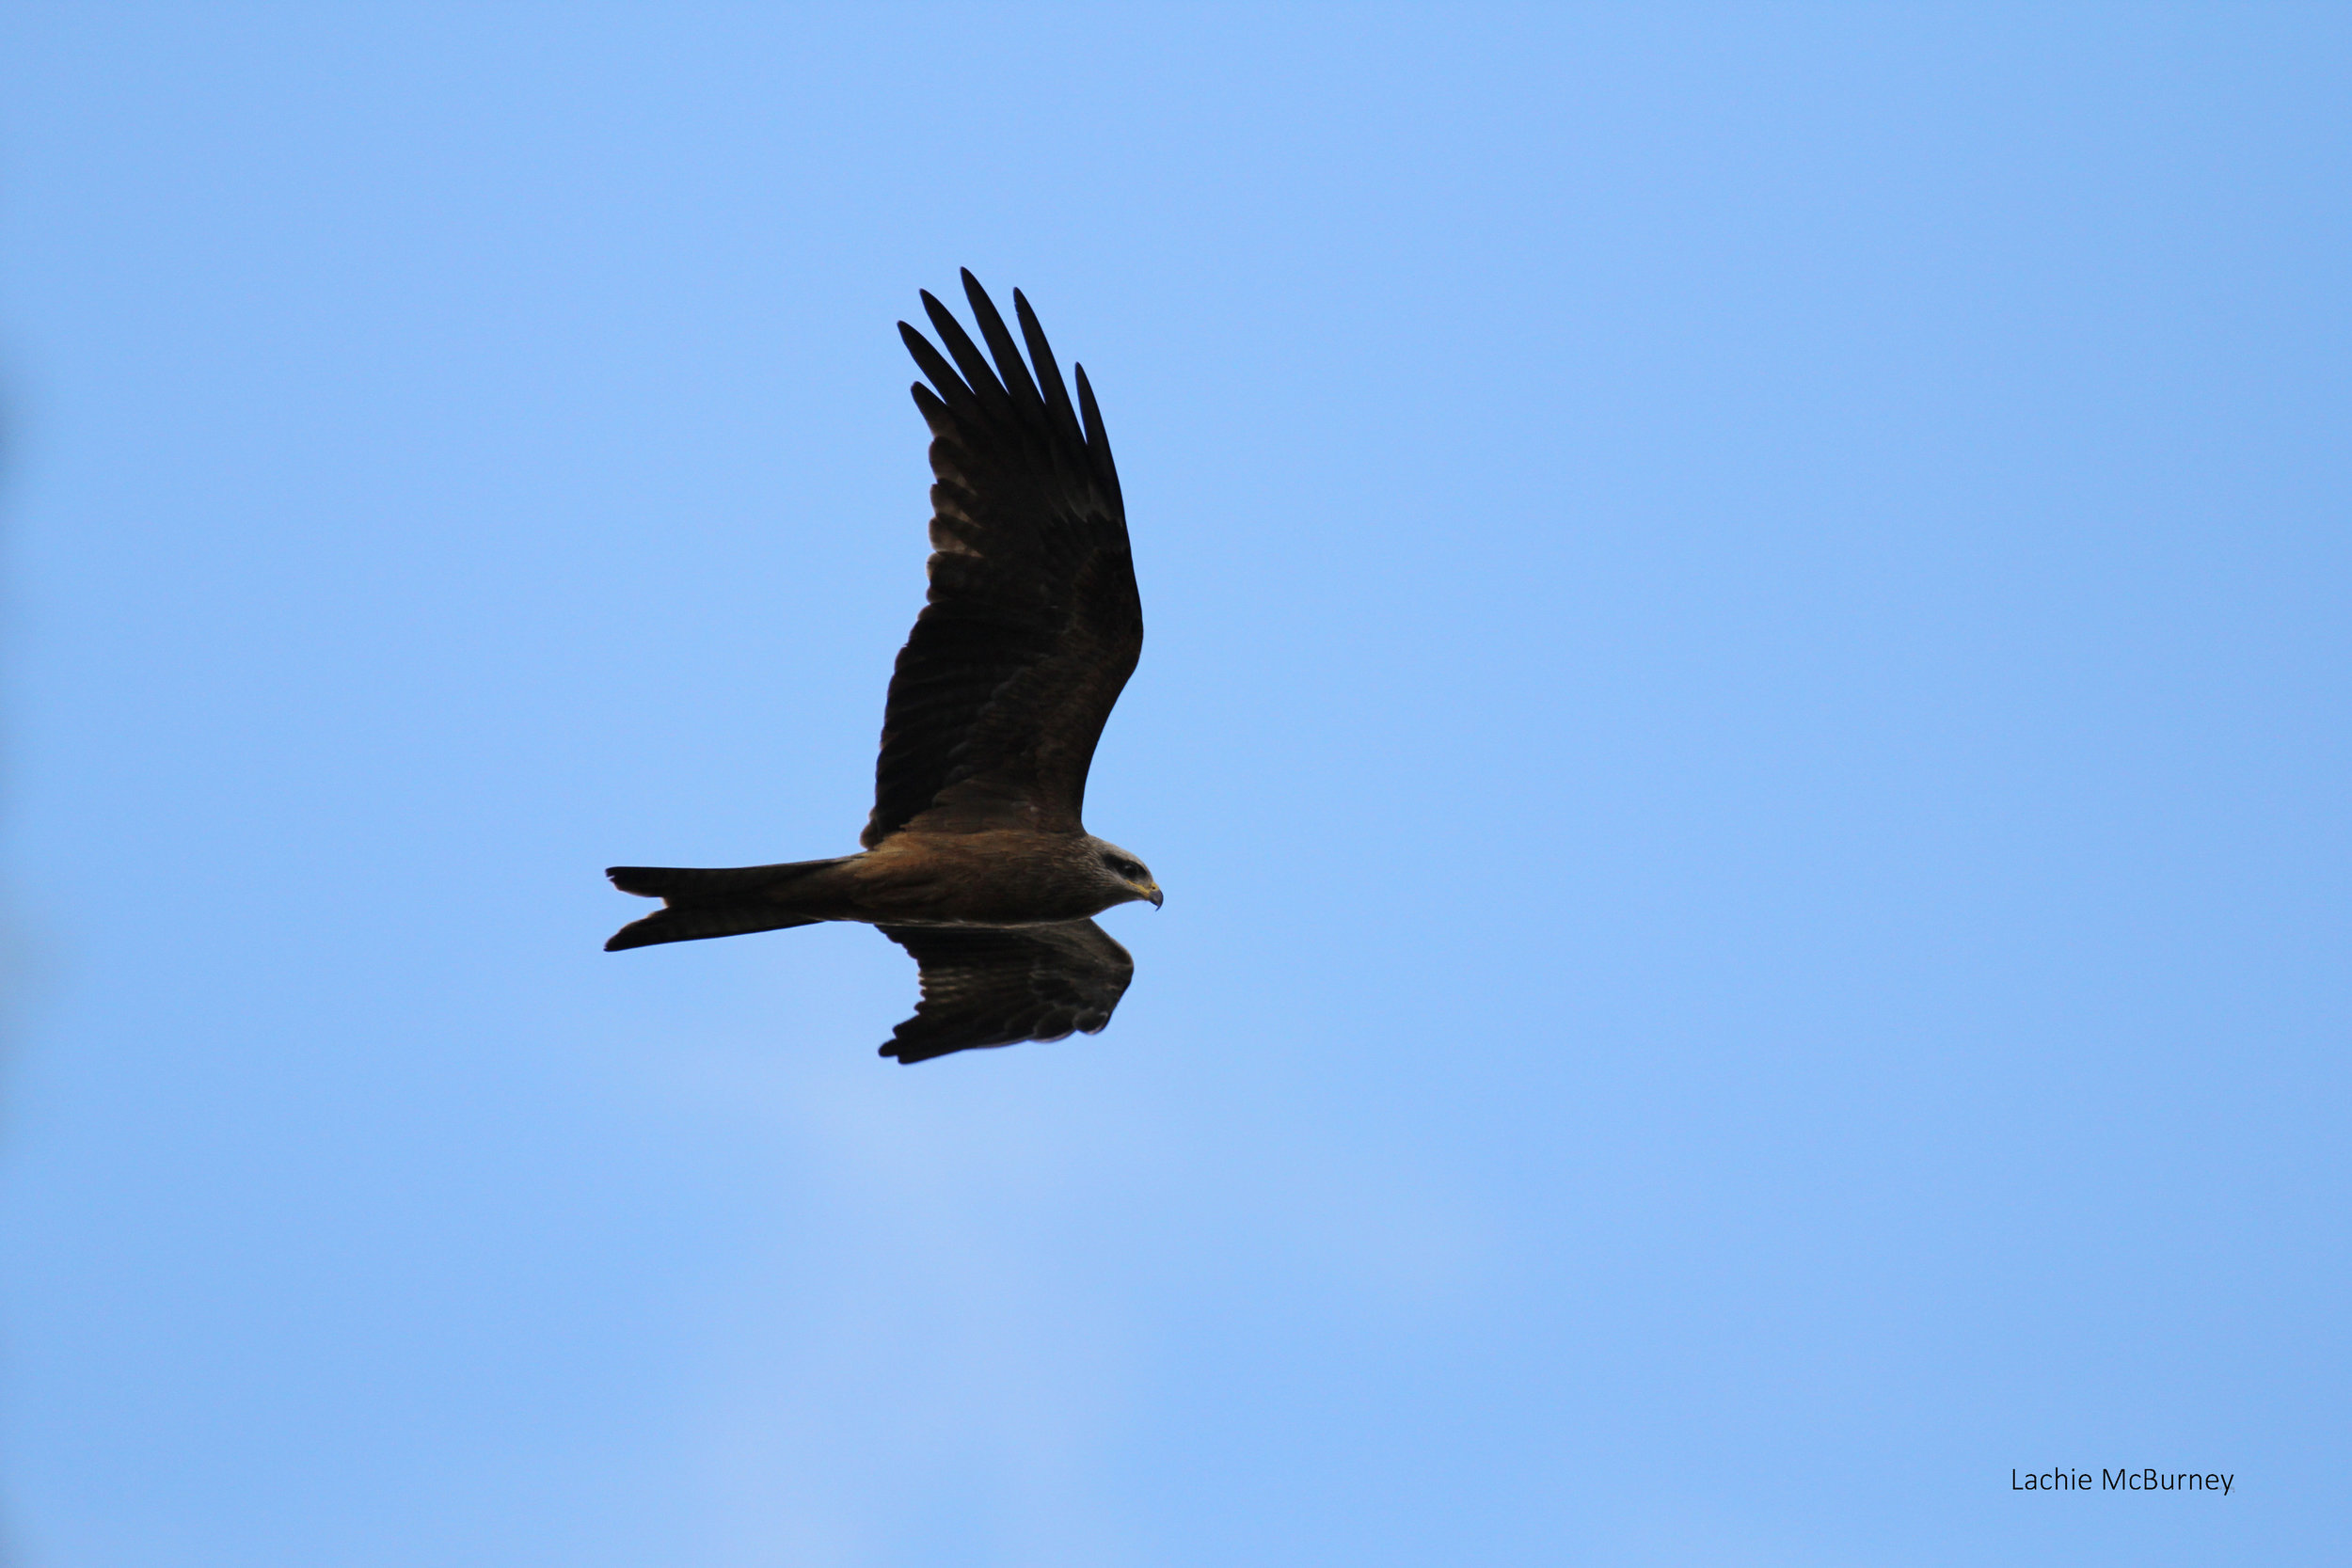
(1003, 985)
(1033, 624)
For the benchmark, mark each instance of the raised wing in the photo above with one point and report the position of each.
(1033, 624)
(1003, 985)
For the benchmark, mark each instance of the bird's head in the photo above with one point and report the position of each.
(1134, 879)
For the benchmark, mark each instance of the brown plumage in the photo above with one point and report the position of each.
(976, 860)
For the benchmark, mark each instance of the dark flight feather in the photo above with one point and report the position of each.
(1048, 374)
(1033, 624)
(1000, 986)
(1017, 380)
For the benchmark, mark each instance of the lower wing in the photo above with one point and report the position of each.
(989, 985)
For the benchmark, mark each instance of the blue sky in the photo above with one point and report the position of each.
(1743, 719)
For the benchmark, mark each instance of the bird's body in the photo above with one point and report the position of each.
(994, 876)
(976, 859)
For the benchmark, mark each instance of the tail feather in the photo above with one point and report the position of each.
(705, 903)
(694, 922)
(677, 881)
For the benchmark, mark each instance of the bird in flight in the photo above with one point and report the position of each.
(976, 860)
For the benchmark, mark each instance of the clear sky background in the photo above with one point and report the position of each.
(1744, 723)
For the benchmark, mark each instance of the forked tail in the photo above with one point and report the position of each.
(700, 903)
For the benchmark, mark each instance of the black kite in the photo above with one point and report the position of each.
(976, 860)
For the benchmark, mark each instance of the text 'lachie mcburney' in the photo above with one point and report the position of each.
(2120, 1480)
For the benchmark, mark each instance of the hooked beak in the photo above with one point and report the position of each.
(1157, 897)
